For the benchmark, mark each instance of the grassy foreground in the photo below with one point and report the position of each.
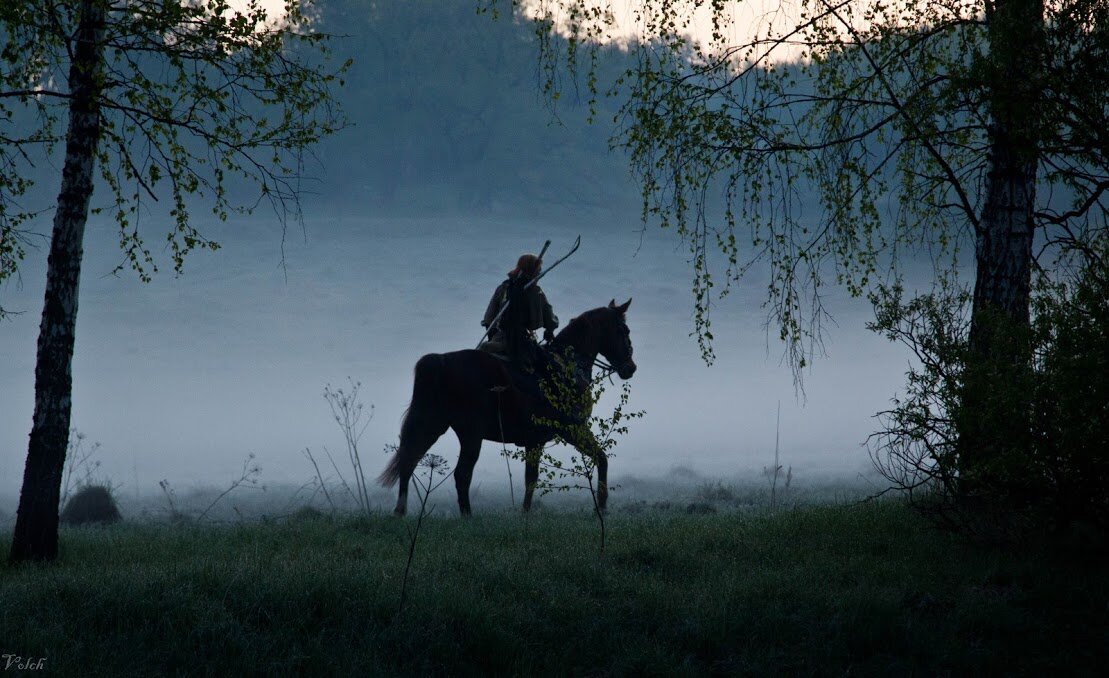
(867, 589)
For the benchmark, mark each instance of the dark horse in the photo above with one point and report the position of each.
(481, 396)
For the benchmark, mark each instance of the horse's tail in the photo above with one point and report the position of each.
(423, 420)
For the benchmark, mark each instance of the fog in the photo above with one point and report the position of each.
(453, 166)
(182, 378)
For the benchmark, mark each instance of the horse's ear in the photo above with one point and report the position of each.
(612, 304)
(623, 308)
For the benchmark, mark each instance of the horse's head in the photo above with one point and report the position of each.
(615, 341)
(602, 331)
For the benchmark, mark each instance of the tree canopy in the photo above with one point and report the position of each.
(195, 100)
(162, 99)
(885, 108)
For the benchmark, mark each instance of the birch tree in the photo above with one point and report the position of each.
(171, 100)
(972, 132)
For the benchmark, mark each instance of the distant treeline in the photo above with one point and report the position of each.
(448, 114)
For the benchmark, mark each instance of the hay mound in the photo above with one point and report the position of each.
(92, 504)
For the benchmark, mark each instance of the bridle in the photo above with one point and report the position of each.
(606, 367)
(627, 359)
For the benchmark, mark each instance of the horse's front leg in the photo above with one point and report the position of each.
(531, 473)
(602, 479)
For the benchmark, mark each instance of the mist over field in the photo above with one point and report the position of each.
(453, 166)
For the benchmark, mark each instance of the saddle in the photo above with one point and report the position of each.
(526, 354)
(529, 376)
(495, 348)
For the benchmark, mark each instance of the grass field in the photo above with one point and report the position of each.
(868, 589)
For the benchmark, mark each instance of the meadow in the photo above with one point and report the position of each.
(860, 589)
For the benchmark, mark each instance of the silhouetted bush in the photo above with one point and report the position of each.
(92, 504)
(1050, 474)
(308, 514)
(716, 491)
(1070, 422)
(700, 508)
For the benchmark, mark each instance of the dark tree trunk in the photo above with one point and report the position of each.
(994, 420)
(36, 526)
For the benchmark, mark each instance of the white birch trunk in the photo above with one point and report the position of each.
(36, 527)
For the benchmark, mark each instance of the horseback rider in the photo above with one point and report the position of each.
(528, 310)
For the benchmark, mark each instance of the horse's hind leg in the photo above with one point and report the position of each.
(464, 472)
(402, 495)
(418, 433)
(531, 473)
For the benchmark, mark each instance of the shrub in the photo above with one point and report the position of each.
(700, 508)
(1049, 473)
(91, 504)
(307, 514)
(1070, 422)
(717, 491)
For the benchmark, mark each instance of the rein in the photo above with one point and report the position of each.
(605, 367)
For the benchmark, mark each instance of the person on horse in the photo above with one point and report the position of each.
(528, 310)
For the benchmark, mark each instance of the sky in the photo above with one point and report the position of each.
(742, 21)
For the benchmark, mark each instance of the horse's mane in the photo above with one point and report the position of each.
(580, 324)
